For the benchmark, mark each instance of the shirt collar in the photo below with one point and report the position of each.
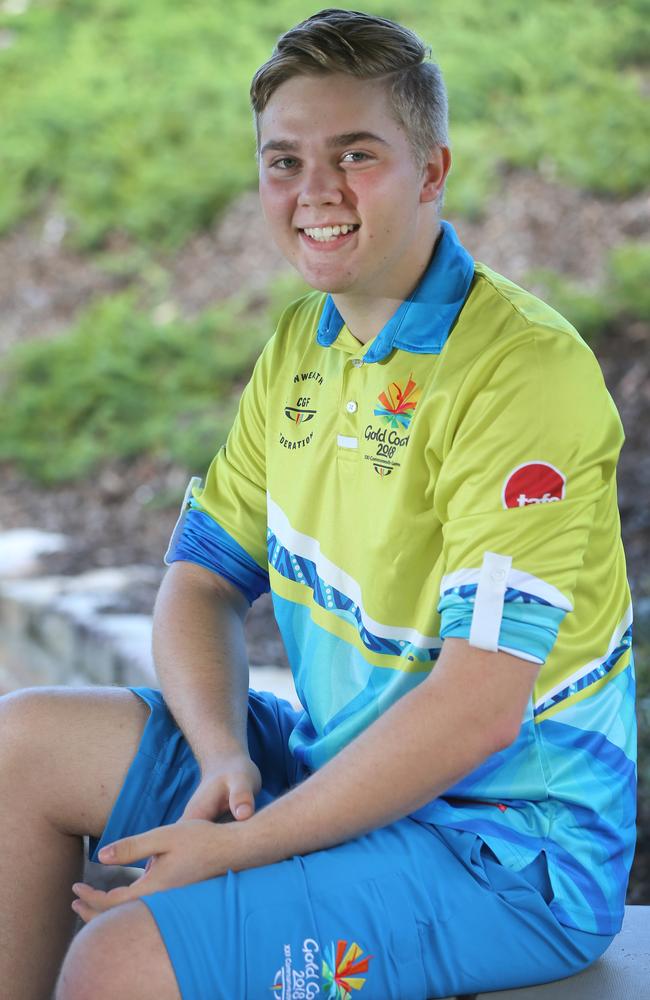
(422, 323)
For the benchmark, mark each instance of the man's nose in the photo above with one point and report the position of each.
(321, 186)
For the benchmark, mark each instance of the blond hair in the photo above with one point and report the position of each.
(368, 47)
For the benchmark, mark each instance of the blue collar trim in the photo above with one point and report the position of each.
(422, 323)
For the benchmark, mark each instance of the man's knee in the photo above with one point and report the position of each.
(68, 750)
(29, 734)
(119, 954)
(20, 713)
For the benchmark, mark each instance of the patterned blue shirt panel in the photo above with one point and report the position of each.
(529, 624)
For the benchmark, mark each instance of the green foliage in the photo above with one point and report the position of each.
(135, 115)
(630, 279)
(119, 385)
(625, 292)
(590, 312)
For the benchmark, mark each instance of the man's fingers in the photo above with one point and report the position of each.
(99, 900)
(131, 849)
(84, 911)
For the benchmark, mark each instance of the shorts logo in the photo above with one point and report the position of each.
(341, 970)
(398, 404)
(533, 483)
(339, 975)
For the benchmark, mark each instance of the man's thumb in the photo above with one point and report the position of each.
(242, 804)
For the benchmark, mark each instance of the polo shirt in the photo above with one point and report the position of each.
(455, 476)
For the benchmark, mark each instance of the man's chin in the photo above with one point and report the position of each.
(323, 283)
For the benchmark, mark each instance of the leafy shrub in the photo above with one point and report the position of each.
(588, 311)
(118, 385)
(625, 291)
(630, 279)
(135, 115)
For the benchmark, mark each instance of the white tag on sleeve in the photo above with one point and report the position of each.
(488, 604)
(195, 481)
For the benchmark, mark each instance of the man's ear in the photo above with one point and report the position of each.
(435, 173)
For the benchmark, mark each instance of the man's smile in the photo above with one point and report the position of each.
(326, 237)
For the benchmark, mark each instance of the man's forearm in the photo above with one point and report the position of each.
(470, 707)
(201, 661)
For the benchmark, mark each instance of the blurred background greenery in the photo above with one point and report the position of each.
(126, 122)
(133, 118)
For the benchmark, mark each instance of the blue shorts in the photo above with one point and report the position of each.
(408, 912)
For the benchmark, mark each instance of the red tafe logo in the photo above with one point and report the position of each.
(534, 482)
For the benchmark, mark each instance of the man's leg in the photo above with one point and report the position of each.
(63, 757)
(118, 955)
(405, 913)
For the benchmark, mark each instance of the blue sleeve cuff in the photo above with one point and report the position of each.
(529, 627)
(203, 541)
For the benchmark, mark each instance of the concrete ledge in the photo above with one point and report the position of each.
(78, 630)
(623, 973)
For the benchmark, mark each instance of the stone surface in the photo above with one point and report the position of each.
(21, 549)
(78, 630)
(623, 972)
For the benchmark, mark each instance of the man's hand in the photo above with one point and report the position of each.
(179, 854)
(190, 850)
(230, 783)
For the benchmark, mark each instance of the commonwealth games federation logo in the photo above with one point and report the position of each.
(299, 414)
(301, 408)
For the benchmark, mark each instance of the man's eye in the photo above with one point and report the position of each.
(359, 157)
(285, 163)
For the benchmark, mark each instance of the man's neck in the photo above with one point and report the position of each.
(365, 315)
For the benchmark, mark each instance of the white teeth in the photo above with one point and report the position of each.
(327, 233)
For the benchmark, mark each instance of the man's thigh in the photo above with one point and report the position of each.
(71, 749)
(164, 772)
(399, 914)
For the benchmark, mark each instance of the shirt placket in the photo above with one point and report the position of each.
(348, 426)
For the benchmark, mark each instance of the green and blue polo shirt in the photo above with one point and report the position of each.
(455, 476)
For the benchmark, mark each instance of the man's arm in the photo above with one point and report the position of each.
(469, 707)
(202, 666)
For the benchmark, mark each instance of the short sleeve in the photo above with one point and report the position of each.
(235, 489)
(223, 524)
(531, 459)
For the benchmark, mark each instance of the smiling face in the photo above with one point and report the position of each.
(332, 155)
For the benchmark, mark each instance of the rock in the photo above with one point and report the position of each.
(79, 630)
(21, 549)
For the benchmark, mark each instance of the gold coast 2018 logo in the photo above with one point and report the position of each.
(333, 976)
(342, 968)
(300, 409)
(395, 408)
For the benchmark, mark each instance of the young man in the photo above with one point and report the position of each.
(422, 471)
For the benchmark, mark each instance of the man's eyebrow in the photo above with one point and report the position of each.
(333, 142)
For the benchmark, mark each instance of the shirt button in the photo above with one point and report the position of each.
(498, 575)
(357, 362)
(351, 406)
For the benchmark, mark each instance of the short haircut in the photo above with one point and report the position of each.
(371, 48)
